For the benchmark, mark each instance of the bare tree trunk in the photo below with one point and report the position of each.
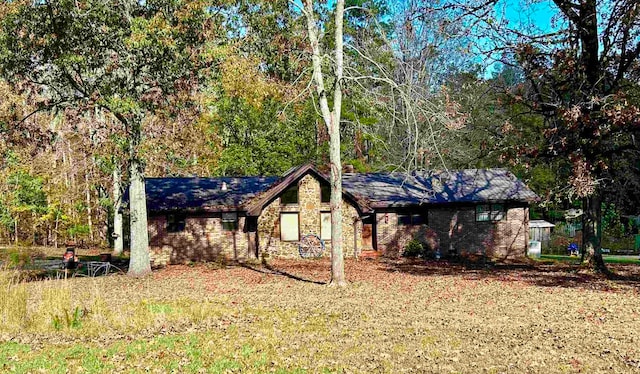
(47, 237)
(34, 228)
(592, 232)
(73, 186)
(139, 264)
(88, 198)
(64, 165)
(337, 256)
(118, 242)
(15, 230)
(55, 232)
(332, 121)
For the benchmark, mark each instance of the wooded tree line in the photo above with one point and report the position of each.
(98, 94)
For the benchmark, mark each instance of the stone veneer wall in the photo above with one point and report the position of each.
(506, 239)
(309, 208)
(203, 239)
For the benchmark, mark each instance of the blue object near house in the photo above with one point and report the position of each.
(572, 249)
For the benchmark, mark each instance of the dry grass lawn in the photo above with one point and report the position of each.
(394, 317)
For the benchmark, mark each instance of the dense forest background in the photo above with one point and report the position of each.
(427, 85)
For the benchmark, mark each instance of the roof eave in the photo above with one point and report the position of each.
(379, 205)
(254, 208)
(215, 209)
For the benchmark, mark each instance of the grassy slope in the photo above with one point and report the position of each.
(631, 260)
(392, 318)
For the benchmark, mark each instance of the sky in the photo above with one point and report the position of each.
(524, 12)
(530, 16)
(520, 14)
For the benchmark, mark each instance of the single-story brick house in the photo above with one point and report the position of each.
(456, 212)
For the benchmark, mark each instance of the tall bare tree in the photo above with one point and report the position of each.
(331, 119)
(397, 66)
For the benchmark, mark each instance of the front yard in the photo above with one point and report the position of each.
(609, 259)
(394, 317)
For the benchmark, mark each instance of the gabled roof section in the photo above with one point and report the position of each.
(203, 194)
(290, 177)
(462, 186)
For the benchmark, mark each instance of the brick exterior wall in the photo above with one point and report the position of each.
(203, 239)
(393, 238)
(505, 239)
(309, 208)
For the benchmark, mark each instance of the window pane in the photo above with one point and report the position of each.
(418, 219)
(229, 225)
(404, 219)
(171, 223)
(229, 221)
(229, 217)
(289, 226)
(176, 222)
(325, 226)
(497, 212)
(325, 193)
(482, 213)
(497, 215)
(289, 196)
(482, 217)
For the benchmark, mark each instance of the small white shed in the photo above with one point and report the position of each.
(540, 230)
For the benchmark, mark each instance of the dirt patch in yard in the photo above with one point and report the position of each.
(395, 316)
(626, 277)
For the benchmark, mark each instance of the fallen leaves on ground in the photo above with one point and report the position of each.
(395, 316)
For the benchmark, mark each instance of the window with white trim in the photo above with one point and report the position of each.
(289, 227)
(325, 225)
(490, 212)
(497, 212)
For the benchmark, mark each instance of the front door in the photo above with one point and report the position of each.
(367, 236)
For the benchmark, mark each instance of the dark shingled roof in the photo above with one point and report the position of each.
(462, 186)
(374, 190)
(203, 194)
